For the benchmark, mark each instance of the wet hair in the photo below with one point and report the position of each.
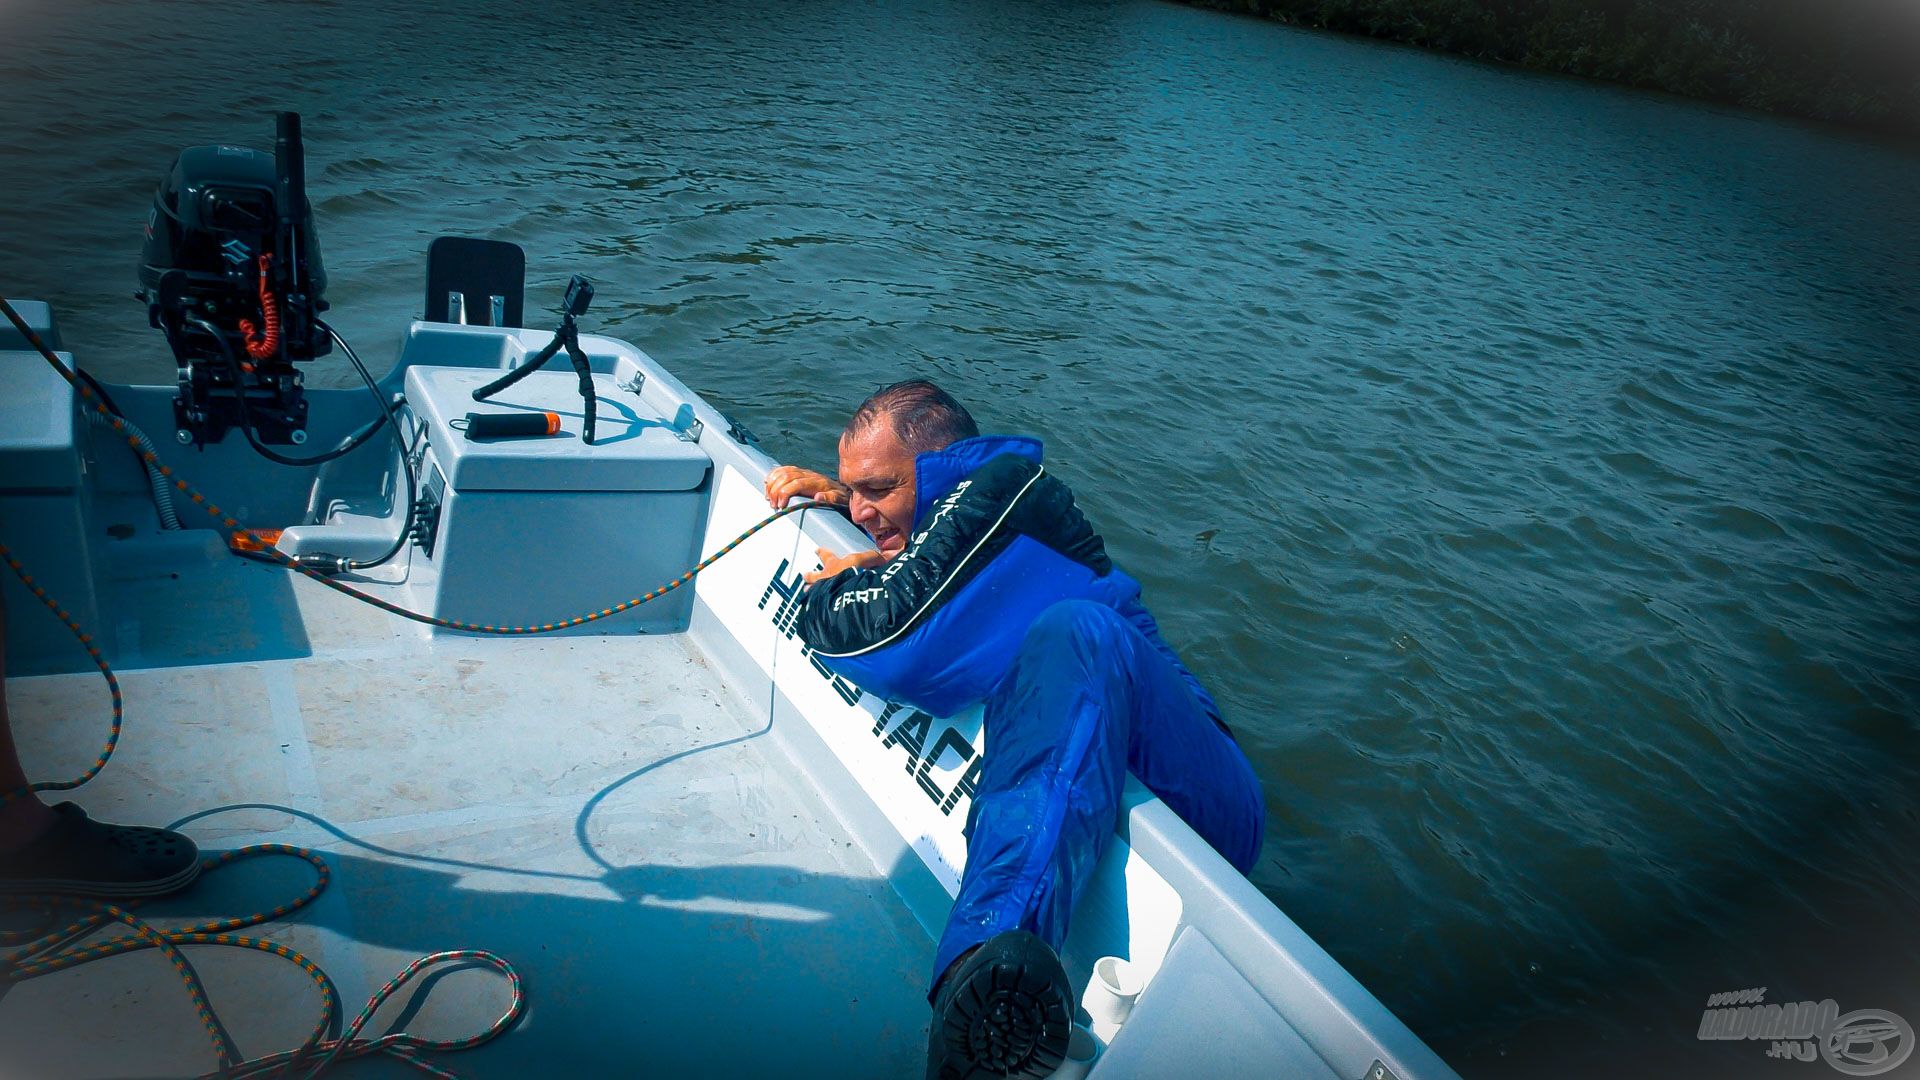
(923, 416)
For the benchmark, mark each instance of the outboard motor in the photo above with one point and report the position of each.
(231, 273)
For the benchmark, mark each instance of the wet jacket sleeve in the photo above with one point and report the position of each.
(1009, 496)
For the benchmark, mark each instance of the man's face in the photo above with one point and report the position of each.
(879, 470)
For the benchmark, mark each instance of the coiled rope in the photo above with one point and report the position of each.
(45, 953)
(50, 952)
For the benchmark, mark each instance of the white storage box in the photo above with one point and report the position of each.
(530, 531)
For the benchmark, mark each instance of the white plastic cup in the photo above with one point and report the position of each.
(1082, 1048)
(1110, 995)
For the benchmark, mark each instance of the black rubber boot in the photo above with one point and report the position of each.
(82, 857)
(1005, 1009)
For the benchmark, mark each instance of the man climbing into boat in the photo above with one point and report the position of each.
(987, 584)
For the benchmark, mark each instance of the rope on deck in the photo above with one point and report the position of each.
(269, 553)
(57, 950)
(40, 954)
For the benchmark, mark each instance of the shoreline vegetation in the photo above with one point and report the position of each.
(1854, 63)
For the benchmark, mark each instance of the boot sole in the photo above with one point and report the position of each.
(1008, 1018)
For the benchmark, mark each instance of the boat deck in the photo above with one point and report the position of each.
(603, 812)
(704, 853)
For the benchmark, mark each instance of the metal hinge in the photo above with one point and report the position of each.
(685, 425)
(1379, 1071)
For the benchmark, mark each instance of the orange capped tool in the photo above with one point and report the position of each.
(518, 425)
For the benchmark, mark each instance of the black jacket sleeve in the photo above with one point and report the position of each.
(1009, 496)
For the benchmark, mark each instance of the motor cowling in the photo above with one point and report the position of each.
(231, 272)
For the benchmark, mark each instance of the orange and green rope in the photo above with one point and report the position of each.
(57, 950)
(99, 661)
(266, 551)
(269, 552)
(54, 951)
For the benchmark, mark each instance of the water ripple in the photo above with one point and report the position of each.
(1528, 465)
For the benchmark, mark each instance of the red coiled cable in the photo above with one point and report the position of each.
(261, 346)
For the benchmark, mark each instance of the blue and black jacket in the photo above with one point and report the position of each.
(996, 540)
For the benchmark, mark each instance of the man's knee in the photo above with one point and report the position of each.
(1067, 644)
(1081, 626)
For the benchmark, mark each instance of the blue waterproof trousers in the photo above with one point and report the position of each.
(1088, 700)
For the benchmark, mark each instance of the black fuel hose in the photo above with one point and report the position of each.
(399, 443)
(326, 562)
(351, 443)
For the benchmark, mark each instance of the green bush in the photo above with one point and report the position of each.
(1850, 61)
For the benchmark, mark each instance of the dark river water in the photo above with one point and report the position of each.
(1529, 465)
